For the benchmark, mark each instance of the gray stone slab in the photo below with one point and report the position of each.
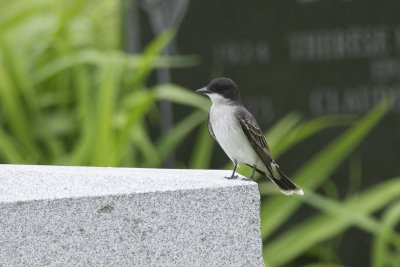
(91, 216)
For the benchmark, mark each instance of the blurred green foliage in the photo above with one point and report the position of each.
(70, 96)
(336, 216)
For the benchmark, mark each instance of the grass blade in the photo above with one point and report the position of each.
(104, 152)
(9, 151)
(15, 111)
(202, 152)
(307, 129)
(183, 96)
(276, 133)
(380, 253)
(148, 151)
(150, 56)
(168, 143)
(135, 106)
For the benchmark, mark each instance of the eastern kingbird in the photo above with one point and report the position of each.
(238, 133)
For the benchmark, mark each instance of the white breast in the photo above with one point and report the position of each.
(230, 136)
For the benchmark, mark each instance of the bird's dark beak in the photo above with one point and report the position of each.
(203, 91)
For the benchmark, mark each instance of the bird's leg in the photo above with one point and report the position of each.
(252, 174)
(233, 176)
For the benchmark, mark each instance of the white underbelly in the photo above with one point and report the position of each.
(231, 138)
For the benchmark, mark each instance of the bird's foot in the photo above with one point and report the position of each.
(248, 179)
(232, 177)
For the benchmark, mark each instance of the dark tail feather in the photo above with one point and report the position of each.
(286, 185)
(282, 181)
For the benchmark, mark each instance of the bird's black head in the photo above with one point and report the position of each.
(223, 88)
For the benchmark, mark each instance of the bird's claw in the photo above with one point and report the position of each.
(231, 177)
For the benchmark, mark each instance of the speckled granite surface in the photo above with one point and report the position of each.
(86, 216)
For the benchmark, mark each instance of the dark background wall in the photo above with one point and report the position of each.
(317, 57)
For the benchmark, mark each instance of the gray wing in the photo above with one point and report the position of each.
(255, 136)
(210, 130)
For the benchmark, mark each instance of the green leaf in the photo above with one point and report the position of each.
(18, 75)
(380, 249)
(202, 152)
(68, 10)
(104, 152)
(13, 107)
(169, 142)
(85, 113)
(150, 56)
(180, 95)
(98, 58)
(134, 108)
(142, 141)
(282, 128)
(308, 129)
(17, 13)
(9, 151)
